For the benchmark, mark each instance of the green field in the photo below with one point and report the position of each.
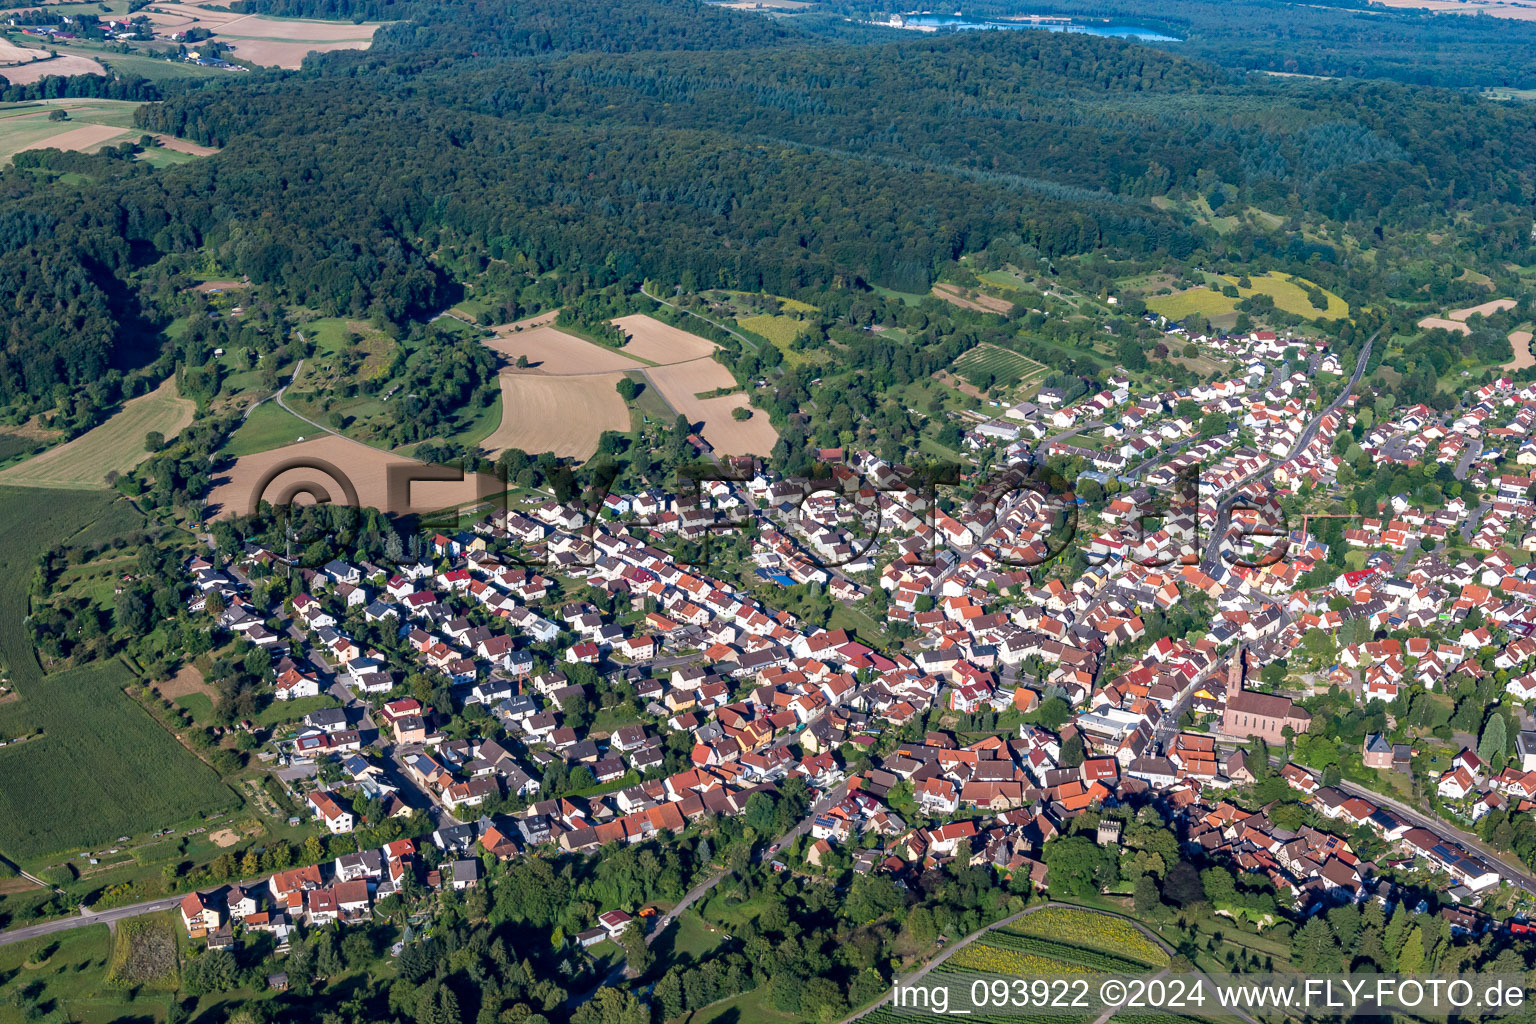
(782, 331)
(268, 426)
(688, 940)
(116, 445)
(26, 125)
(1007, 368)
(280, 711)
(94, 750)
(101, 757)
(1211, 302)
(1193, 300)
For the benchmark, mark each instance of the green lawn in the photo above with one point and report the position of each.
(280, 711)
(748, 1008)
(198, 705)
(268, 426)
(689, 939)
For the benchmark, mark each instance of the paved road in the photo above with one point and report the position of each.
(924, 971)
(1464, 463)
(660, 924)
(63, 924)
(1219, 529)
(278, 398)
(1508, 871)
(739, 337)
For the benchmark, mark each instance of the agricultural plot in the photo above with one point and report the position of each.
(564, 415)
(782, 331)
(1292, 298)
(1456, 319)
(1001, 365)
(269, 42)
(97, 752)
(555, 352)
(564, 397)
(268, 426)
(652, 341)
(116, 445)
(1084, 929)
(63, 65)
(1205, 301)
(91, 748)
(1520, 342)
(92, 123)
(682, 383)
(971, 299)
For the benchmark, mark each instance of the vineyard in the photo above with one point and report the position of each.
(983, 956)
(988, 362)
(1054, 942)
(1085, 930)
(1092, 959)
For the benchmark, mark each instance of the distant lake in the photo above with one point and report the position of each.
(945, 22)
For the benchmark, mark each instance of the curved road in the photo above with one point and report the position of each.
(830, 799)
(1219, 527)
(922, 972)
(741, 338)
(278, 398)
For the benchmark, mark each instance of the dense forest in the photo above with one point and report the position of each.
(717, 149)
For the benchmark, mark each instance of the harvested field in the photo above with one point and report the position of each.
(64, 65)
(224, 838)
(85, 138)
(681, 382)
(1445, 325)
(91, 123)
(1486, 309)
(564, 415)
(556, 353)
(187, 680)
(656, 342)
(274, 53)
(271, 42)
(1520, 341)
(566, 397)
(118, 444)
(176, 145)
(287, 473)
(10, 54)
(977, 301)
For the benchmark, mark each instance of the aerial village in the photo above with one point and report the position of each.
(570, 640)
